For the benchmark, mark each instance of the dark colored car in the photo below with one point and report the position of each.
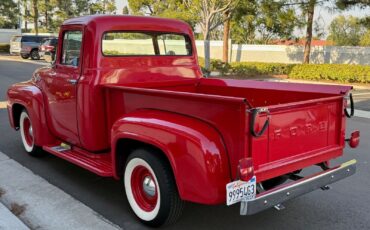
(27, 45)
(48, 49)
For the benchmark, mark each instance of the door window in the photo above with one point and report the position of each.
(71, 48)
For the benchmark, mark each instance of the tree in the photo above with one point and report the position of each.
(309, 10)
(212, 15)
(35, 15)
(163, 8)
(275, 19)
(365, 39)
(81, 7)
(346, 31)
(102, 7)
(243, 22)
(226, 35)
(8, 15)
(125, 10)
(269, 20)
(345, 4)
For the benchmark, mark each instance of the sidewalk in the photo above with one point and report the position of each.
(40, 205)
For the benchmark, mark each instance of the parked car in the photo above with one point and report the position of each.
(47, 49)
(26, 46)
(126, 99)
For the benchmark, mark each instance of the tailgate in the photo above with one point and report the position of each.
(299, 135)
(15, 46)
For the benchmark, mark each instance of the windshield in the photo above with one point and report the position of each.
(145, 43)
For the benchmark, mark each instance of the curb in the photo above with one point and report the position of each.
(41, 205)
(10, 221)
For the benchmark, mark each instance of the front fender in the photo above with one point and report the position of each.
(30, 97)
(195, 150)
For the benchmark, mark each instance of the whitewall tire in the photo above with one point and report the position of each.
(151, 189)
(27, 135)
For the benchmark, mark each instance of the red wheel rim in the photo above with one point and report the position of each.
(28, 132)
(144, 188)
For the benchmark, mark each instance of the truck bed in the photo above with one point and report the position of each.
(306, 125)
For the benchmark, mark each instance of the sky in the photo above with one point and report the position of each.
(322, 15)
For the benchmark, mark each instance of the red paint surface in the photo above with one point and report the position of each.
(201, 125)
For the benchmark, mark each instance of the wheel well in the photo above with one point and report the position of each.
(16, 112)
(35, 49)
(126, 146)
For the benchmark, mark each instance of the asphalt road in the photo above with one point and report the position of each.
(346, 206)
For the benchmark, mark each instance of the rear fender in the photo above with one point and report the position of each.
(30, 97)
(194, 149)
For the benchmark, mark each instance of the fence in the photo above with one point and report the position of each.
(288, 54)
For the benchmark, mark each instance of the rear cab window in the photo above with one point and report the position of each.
(145, 44)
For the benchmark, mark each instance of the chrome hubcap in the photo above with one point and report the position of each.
(149, 186)
(30, 131)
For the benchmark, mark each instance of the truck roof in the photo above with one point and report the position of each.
(125, 22)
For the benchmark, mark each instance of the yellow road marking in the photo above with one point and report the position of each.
(2, 104)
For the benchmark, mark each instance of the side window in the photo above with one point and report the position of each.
(71, 47)
(26, 39)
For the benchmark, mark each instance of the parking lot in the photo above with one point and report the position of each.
(346, 206)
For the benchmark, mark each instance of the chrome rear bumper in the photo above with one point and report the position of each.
(297, 188)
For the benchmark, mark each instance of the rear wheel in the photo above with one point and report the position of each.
(27, 135)
(151, 189)
(35, 55)
(25, 56)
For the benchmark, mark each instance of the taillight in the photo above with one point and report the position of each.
(246, 171)
(354, 140)
(49, 48)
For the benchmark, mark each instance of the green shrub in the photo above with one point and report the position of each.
(343, 73)
(4, 48)
(259, 68)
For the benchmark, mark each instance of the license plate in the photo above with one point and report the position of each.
(237, 191)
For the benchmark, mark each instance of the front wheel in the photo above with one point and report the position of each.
(151, 189)
(27, 135)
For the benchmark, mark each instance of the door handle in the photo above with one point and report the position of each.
(72, 81)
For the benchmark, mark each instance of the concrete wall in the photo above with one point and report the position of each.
(289, 54)
(6, 34)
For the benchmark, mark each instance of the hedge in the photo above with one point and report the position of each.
(247, 68)
(343, 73)
(259, 68)
(4, 48)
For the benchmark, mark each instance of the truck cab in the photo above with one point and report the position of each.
(125, 98)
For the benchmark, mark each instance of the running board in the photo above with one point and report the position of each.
(100, 164)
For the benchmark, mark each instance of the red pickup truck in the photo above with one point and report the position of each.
(126, 98)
